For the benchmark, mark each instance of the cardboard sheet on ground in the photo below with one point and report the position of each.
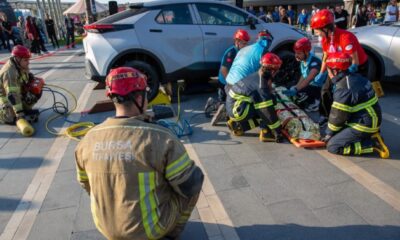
(298, 127)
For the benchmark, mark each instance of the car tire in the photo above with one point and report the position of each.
(372, 71)
(289, 73)
(153, 79)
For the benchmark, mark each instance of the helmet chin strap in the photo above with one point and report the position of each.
(140, 107)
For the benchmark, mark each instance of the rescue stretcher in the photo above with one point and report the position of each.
(297, 126)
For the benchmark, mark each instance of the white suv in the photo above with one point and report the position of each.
(176, 39)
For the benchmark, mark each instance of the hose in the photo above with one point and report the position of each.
(77, 129)
(180, 127)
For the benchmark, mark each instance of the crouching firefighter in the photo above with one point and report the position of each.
(250, 103)
(19, 90)
(141, 181)
(355, 116)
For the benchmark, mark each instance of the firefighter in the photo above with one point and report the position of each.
(245, 63)
(241, 38)
(307, 96)
(141, 181)
(355, 117)
(250, 103)
(335, 40)
(18, 92)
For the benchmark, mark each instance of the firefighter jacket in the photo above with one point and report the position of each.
(12, 86)
(134, 172)
(247, 96)
(354, 105)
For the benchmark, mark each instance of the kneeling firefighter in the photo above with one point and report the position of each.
(250, 102)
(355, 117)
(19, 91)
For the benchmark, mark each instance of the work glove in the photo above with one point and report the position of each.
(319, 80)
(353, 68)
(291, 92)
(326, 138)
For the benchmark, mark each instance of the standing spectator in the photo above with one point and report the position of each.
(69, 23)
(22, 31)
(251, 10)
(371, 14)
(2, 38)
(7, 30)
(275, 14)
(392, 12)
(361, 18)
(37, 24)
(341, 17)
(51, 31)
(267, 17)
(32, 35)
(313, 12)
(260, 12)
(291, 14)
(284, 18)
(302, 20)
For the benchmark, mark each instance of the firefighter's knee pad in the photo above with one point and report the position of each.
(235, 127)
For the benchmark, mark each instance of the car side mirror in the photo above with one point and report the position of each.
(251, 22)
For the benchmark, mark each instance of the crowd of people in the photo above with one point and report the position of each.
(30, 32)
(368, 14)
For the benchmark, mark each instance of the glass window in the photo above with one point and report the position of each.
(218, 14)
(174, 14)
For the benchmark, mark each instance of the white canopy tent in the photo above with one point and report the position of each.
(80, 8)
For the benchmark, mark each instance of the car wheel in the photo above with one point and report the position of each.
(289, 73)
(372, 71)
(153, 80)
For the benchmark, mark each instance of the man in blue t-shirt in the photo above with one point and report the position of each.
(302, 20)
(306, 95)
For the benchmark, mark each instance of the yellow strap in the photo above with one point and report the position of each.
(237, 116)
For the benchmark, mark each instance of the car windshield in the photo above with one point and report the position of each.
(122, 15)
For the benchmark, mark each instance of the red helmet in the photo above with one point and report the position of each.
(322, 18)
(242, 35)
(124, 80)
(265, 33)
(271, 61)
(338, 60)
(302, 45)
(21, 52)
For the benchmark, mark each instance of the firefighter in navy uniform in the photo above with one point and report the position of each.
(19, 89)
(141, 181)
(250, 102)
(355, 116)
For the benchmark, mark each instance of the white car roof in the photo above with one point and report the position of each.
(151, 3)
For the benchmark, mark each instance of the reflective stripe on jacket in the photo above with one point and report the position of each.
(354, 105)
(133, 170)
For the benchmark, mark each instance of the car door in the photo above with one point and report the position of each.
(169, 33)
(394, 53)
(218, 23)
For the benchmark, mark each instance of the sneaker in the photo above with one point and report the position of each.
(234, 127)
(210, 107)
(322, 121)
(220, 115)
(313, 107)
(266, 136)
(379, 145)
